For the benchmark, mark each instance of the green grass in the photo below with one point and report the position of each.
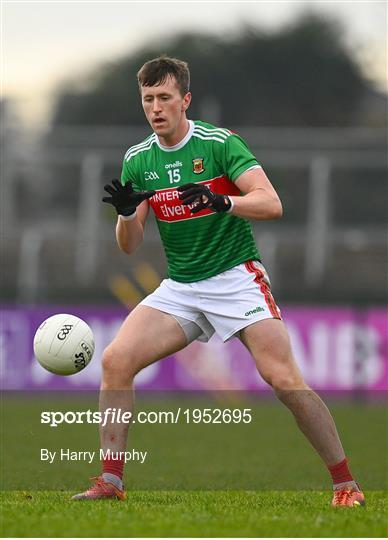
(193, 514)
(198, 480)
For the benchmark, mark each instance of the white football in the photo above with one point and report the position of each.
(64, 344)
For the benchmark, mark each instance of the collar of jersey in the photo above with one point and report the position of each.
(181, 143)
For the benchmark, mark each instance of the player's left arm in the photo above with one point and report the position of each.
(259, 200)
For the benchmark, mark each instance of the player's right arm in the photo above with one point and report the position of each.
(130, 233)
(132, 210)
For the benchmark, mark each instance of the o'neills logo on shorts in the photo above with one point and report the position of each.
(253, 311)
(168, 207)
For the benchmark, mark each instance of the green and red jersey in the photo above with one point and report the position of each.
(201, 245)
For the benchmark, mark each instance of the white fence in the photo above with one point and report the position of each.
(58, 240)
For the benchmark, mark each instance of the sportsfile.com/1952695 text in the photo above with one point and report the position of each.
(118, 416)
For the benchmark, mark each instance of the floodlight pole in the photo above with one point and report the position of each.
(86, 250)
(318, 222)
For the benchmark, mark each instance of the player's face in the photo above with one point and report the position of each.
(165, 109)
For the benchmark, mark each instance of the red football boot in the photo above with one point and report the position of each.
(348, 496)
(100, 490)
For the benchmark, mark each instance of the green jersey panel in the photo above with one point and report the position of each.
(201, 245)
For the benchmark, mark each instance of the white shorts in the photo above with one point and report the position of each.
(225, 303)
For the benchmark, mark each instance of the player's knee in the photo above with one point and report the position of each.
(116, 365)
(285, 381)
(110, 361)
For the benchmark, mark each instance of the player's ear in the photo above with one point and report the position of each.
(186, 101)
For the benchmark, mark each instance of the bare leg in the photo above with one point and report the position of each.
(146, 335)
(269, 345)
(315, 421)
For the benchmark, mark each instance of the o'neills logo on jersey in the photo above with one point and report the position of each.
(168, 207)
(172, 165)
(198, 165)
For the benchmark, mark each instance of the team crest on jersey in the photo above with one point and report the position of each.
(198, 167)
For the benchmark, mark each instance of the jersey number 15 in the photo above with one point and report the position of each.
(174, 176)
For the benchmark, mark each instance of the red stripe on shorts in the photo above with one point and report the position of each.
(264, 288)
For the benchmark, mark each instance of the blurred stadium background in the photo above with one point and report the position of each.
(315, 119)
(310, 97)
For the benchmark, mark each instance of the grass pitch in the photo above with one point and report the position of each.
(259, 479)
(193, 514)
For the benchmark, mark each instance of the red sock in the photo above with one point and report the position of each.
(340, 472)
(113, 466)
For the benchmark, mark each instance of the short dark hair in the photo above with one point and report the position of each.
(155, 72)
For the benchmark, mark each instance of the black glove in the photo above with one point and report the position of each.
(124, 198)
(203, 198)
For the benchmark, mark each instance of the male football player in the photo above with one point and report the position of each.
(203, 184)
